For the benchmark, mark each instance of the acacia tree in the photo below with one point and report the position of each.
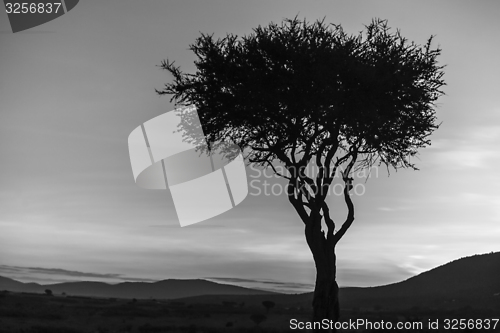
(305, 94)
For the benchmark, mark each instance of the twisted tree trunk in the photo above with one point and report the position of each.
(326, 291)
(326, 294)
(326, 310)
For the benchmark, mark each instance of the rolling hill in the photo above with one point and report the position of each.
(472, 281)
(166, 289)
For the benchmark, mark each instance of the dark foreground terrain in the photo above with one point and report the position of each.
(38, 313)
(463, 295)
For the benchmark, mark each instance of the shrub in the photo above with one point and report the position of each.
(258, 318)
(268, 305)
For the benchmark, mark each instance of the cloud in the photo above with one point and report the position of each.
(265, 281)
(58, 271)
(39, 273)
(476, 147)
(10, 269)
(376, 273)
(132, 279)
(266, 284)
(197, 226)
(393, 209)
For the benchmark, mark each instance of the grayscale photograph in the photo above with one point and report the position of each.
(206, 166)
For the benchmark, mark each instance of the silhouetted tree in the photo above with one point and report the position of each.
(48, 292)
(268, 305)
(305, 95)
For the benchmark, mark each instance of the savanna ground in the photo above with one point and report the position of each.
(38, 313)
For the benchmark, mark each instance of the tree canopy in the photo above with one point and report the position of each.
(311, 90)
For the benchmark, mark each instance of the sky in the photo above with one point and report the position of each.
(73, 89)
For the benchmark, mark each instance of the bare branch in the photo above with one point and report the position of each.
(348, 201)
(297, 203)
(329, 223)
(276, 172)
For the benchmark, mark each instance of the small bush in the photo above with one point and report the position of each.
(268, 305)
(258, 318)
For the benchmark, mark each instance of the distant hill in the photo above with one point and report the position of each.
(13, 285)
(472, 281)
(166, 289)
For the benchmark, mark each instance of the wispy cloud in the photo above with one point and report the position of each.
(393, 209)
(266, 284)
(195, 226)
(476, 147)
(61, 275)
(58, 271)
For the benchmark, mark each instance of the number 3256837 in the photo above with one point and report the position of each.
(32, 8)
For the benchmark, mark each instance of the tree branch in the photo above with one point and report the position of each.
(348, 201)
(297, 203)
(329, 223)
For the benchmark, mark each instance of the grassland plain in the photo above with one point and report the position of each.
(38, 313)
